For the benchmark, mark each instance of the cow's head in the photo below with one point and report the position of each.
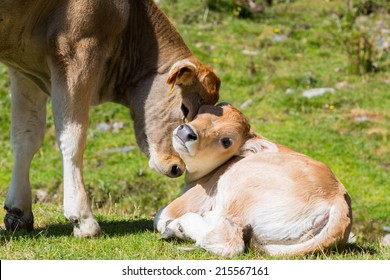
(197, 84)
(189, 86)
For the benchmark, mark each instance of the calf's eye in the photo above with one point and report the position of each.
(226, 142)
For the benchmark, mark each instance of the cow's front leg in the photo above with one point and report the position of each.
(27, 132)
(74, 82)
(71, 121)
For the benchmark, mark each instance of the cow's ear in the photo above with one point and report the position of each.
(181, 73)
(209, 80)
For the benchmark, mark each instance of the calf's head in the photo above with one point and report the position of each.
(214, 136)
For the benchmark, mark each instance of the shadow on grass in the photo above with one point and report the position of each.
(353, 248)
(124, 227)
(109, 229)
(120, 228)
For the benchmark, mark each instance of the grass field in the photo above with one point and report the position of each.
(265, 63)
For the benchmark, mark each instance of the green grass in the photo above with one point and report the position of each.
(126, 193)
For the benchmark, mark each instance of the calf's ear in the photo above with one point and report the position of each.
(181, 73)
(257, 145)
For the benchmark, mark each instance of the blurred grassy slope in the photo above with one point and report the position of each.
(265, 75)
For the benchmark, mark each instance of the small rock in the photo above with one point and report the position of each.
(362, 119)
(42, 196)
(380, 42)
(289, 91)
(361, 115)
(199, 45)
(250, 53)
(341, 85)
(246, 104)
(124, 149)
(386, 240)
(386, 228)
(103, 127)
(317, 92)
(279, 38)
(186, 249)
(116, 126)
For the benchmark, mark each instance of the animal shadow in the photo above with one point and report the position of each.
(354, 248)
(109, 228)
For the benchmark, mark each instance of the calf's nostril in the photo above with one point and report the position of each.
(186, 133)
(192, 136)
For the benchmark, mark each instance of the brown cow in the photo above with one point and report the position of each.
(86, 52)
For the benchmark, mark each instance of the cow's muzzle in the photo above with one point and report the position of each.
(172, 167)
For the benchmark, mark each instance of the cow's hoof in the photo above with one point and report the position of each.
(85, 228)
(15, 219)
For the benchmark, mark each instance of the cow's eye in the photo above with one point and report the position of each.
(226, 142)
(185, 110)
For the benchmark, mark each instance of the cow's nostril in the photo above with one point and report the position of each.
(176, 171)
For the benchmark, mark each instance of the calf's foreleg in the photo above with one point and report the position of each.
(195, 200)
(213, 232)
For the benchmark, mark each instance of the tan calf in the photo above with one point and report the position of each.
(244, 189)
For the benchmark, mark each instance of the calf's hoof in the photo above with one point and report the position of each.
(88, 227)
(15, 219)
(168, 235)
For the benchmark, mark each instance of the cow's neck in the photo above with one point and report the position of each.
(171, 46)
(161, 44)
(150, 45)
(154, 45)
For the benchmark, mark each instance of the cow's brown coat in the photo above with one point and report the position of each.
(83, 52)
